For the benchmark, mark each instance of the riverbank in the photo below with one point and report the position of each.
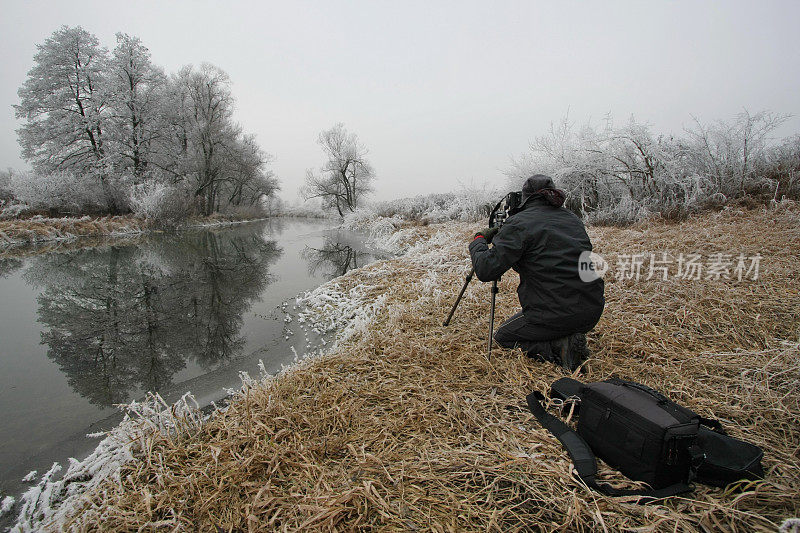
(21, 232)
(48, 232)
(406, 425)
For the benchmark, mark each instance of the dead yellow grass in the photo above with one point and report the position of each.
(16, 232)
(409, 427)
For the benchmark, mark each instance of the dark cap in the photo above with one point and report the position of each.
(536, 184)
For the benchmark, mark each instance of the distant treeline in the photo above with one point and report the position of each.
(619, 175)
(623, 174)
(110, 132)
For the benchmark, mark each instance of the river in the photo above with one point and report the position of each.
(82, 330)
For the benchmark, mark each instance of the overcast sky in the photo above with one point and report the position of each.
(442, 93)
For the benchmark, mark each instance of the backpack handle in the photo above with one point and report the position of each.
(638, 386)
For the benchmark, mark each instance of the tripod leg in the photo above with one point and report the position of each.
(495, 290)
(460, 294)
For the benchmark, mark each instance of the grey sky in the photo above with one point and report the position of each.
(442, 93)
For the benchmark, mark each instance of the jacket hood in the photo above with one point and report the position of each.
(542, 186)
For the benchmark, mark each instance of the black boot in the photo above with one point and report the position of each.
(568, 352)
(573, 351)
(542, 351)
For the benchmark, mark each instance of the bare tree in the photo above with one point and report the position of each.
(346, 176)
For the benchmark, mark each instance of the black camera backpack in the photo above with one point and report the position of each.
(647, 437)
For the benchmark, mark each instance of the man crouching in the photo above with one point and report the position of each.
(543, 242)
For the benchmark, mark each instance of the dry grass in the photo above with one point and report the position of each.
(18, 231)
(408, 426)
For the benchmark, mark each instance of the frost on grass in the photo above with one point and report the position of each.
(386, 223)
(348, 304)
(332, 308)
(51, 502)
(8, 503)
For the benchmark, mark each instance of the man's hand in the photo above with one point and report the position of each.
(488, 234)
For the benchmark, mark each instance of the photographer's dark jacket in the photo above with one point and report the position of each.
(542, 243)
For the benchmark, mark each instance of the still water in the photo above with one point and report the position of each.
(82, 330)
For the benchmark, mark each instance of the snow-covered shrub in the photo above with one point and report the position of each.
(365, 217)
(160, 203)
(117, 191)
(783, 168)
(63, 192)
(620, 174)
(6, 196)
(13, 211)
(466, 205)
(734, 155)
(627, 211)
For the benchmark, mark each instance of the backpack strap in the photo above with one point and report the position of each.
(584, 459)
(565, 388)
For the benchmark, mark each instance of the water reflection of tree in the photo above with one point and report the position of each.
(125, 318)
(9, 265)
(333, 259)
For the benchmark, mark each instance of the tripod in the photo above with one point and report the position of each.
(495, 290)
(505, 208)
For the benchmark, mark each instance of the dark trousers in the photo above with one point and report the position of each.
(516, 332)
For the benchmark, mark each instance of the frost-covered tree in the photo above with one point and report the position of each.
(64, 103)
(118, 120)
(6, 194)
(211, 127)
(245, 167)
(205, 149)
(137, 88)
(733, 153)
(621, 174)
(346, 176)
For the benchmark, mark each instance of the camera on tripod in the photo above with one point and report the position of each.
(509, 205)
(506, 207)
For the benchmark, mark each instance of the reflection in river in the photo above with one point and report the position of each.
(95, 323)
(9, 265)
(334, 258)
(123, 318)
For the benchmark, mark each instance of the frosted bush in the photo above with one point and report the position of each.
(159, 203)
(64, 192)
(6, 196)
(465, 205)
(13, 211)
(382, 220)
(622, 174)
